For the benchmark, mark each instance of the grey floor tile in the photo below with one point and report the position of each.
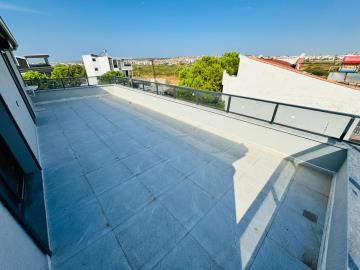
(123, 201)
(77, 230)
(104, 253)
(272, 257)
(123, 146)
(65, 173)
(109, 176)
(161, 178)
(218, 233)
(140, 162)
(91, 161)
(149, 236)
(212, 179)
(188, 203)
(297, 235)
(67, 195)
(187, 255)
(300, 198)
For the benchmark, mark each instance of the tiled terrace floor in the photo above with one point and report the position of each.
(127, 188)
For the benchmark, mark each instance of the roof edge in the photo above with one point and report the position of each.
(304, 73)
(8, 34)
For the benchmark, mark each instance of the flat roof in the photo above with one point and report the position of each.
(5, 32)
(37, 55)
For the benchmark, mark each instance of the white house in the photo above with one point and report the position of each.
(97, 65)
(275, 80)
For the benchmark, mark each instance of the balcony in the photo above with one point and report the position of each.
(128, 187)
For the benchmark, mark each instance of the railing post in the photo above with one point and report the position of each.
(274, 114)
(346, 130)
(228, 104)
(143, 86)
(157, 88)
(174, 92)
(197, 97)
(87, 80)
(62, 83)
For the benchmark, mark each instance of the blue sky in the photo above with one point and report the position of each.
(66, 29)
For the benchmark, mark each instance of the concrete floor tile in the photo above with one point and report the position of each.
(123, 146)
(188, 203)
(77, 230)
(218, 233)
(187, 255)
(273, 257)
(140, 162)
(67, 195)
(104, 253)
(297, 235)
(300, 198)
(215, 181)
(149, 236)
(109, 176)
(161, 178)
(123, 201)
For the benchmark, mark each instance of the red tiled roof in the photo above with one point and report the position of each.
(288, 66)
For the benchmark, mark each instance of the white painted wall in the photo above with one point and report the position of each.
(17, 106)
(101, 63)
(264, 81)
(222, 124)
(17, 250)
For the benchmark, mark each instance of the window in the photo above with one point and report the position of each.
(94, 59)
(96, 69)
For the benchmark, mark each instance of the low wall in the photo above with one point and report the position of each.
(333, 254)
(319, 154)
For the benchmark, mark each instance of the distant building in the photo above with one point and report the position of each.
(97, 65)
(27, 62)
(348, 72)
(276, 80)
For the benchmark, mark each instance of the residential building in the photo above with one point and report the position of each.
(272, 79)
(97, 65)
(27, 62)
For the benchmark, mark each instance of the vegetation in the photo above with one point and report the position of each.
(164, 73)
(33, 75)
(207, 72)
(320, 68)
(111, 76)
(68, 71)
(213, 100)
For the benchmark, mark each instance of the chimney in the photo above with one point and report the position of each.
(300, 61)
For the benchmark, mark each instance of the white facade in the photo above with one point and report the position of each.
(261, 80)
(96, 65)
(19, 145)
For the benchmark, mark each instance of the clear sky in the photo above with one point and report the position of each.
(66, 29)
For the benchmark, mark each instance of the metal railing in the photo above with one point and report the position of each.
(44, 84)
(336, 125)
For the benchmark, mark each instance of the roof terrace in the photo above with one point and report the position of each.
(128, 187)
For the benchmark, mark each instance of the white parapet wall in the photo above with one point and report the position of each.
(317, 153)
(261, 80)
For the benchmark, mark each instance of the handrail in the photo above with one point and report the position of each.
(219, 104)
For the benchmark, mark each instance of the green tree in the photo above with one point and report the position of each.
(68, 71)
(230, 62)
(206, 73)
(33, 75)
(111, 76)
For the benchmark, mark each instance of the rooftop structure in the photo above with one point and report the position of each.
(27, 62)
(97, 65)
(138, 175)
(275, 80)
